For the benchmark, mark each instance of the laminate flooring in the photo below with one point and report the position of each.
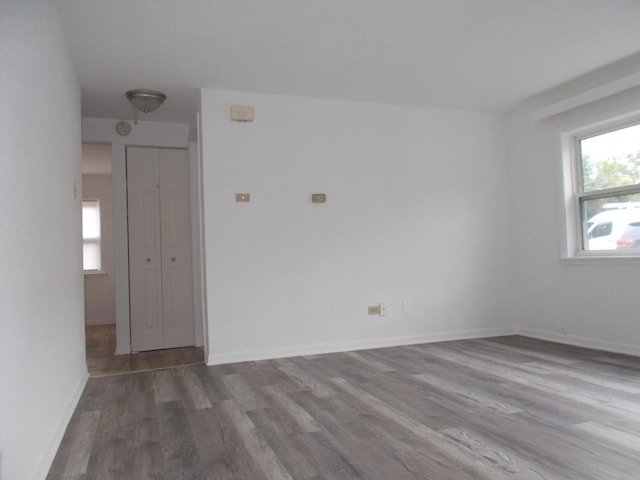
(102, 360)
(499, 408)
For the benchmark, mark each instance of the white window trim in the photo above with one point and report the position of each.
(574, 253)
(95, 273)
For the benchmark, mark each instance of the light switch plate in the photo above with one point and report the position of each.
(243, 197)
(319, 197)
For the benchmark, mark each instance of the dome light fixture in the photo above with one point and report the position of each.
(145, 100)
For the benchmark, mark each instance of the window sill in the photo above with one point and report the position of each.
(95, 273)
(608, 260)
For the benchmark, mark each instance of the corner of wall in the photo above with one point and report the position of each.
(45, 459)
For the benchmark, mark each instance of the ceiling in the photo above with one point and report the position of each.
(484, 55)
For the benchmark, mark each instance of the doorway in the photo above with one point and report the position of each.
(98, 256)
(100, 280)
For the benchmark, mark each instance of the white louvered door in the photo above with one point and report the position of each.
(160, 267)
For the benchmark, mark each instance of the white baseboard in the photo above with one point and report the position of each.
(268, 354)
(46, 457)
(579, 341)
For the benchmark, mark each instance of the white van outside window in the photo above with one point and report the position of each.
(605, 229)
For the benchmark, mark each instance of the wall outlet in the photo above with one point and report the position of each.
(374, 310)
(384, 309)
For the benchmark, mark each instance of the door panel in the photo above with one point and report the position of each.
(151, 292)
(145, 256)
(149, 218)
(176, 247)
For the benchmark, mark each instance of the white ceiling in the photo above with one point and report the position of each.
(462, 54)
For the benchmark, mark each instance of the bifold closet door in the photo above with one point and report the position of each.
(160, 268)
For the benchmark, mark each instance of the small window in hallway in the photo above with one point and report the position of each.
(91, 253)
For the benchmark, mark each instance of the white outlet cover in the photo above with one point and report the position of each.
(384, 309)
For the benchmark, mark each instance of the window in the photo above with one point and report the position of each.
(607, 190)
(91, 252)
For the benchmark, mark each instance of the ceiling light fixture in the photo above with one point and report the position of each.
(146, 100)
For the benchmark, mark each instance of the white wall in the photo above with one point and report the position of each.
(417, 211)
(42, 356)
(99, 288)
(144, 134)
(586, 302)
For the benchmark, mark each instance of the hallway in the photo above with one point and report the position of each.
(101, 361)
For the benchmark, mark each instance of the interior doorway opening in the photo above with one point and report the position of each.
(100, 278)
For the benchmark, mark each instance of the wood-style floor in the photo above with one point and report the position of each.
(101, 358)
(501, 408)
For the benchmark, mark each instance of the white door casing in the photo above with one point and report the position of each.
(160, 268)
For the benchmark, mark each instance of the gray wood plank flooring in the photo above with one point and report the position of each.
(102, 360)
(488, 409)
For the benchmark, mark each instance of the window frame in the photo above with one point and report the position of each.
(576, 196)
(93, 241)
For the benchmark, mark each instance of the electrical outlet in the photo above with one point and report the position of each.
(374, 310)
(384, 309)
